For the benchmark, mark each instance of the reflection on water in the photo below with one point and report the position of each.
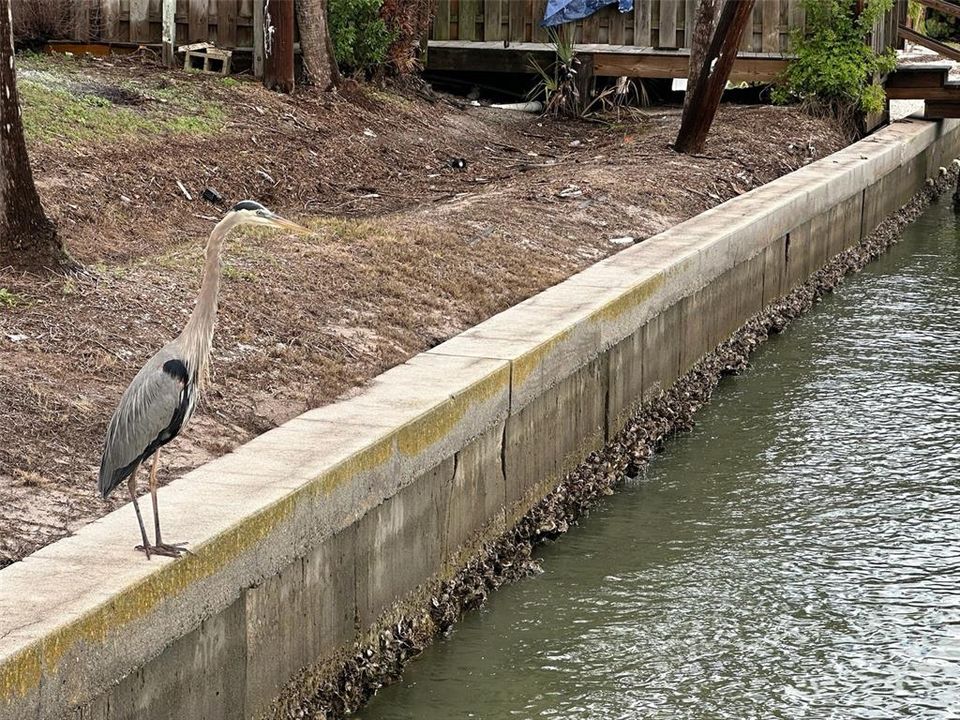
(796, 556)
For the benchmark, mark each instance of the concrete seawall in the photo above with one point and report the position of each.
(304, 538)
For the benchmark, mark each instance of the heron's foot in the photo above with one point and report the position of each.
(167, 549)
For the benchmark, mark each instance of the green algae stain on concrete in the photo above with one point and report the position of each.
(629, 300)
(436, 424)
(22, 673)
(370, 458)
(528, 363)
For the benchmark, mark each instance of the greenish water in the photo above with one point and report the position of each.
(796, 556)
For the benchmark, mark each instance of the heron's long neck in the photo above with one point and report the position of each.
(197, 336)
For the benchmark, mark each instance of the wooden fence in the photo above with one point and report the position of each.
(666, 24)
(226, 23)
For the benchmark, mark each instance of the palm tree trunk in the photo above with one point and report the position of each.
(316, 47)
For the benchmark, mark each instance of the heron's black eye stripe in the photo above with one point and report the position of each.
(176, 369)
(248, 205)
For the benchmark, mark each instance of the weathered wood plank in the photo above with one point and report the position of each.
(110, 29)
(490, 59)
(770, 23)
(689, 15)
(441, 21)
(537, 33)
(139, 21)
(168, 32)
(492, 20)
(226, 23)
(617, 27)
(467, 20)
(939, 109)
(667, 27)
(453, 55)
(258, 38)
(517, 20)
(754, 25)
(590, 29)
(642, 11)
(81, 22)
(949, 92)
(199, 30)
(797, 15)
(745, 69)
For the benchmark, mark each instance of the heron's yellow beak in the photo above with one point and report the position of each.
(284, 224)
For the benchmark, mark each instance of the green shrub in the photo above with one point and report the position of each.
(917, 14)
(941, 27)
(360, 37)
(834, 68)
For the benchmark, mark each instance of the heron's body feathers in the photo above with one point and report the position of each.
(161, 398)
(152, 411)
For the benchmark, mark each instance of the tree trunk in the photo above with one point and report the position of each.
(316, 47)
(713, 76)
(702, 34)
(278, 24)
(28, 240)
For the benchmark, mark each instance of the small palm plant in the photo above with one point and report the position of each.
(558, 82)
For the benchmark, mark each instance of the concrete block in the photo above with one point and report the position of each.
(329, 595)
(820, 238)
(474, 499)
(399, 544)
(843, 224)
(21, 670)
(662, 337)
(298, 617)
(749, 283)
(775, 270)
(544, 339)
(699, 321)
(798, 256)
(438, 403)
(625, 382)
(873, 208)
(200, 675)
(552, 434)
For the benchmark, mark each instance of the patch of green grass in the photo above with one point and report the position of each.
(232, 272)
(229, 82)
(9, 299)
(51, 113)
(389, 98)
(62, 103)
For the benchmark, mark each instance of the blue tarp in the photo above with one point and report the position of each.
(563, 11)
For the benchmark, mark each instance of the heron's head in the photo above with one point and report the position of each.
(248, 212)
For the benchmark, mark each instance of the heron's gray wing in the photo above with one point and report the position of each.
(151, 412)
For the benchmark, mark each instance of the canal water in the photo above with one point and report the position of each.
(796, 556)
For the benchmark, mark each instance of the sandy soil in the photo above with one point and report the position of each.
(408, 250)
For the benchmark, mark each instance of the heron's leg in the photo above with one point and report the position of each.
(153, 493)
(132, 487)
(161, 548)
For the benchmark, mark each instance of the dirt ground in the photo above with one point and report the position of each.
(408, 250)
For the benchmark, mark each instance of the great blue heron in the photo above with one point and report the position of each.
(161, 399)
